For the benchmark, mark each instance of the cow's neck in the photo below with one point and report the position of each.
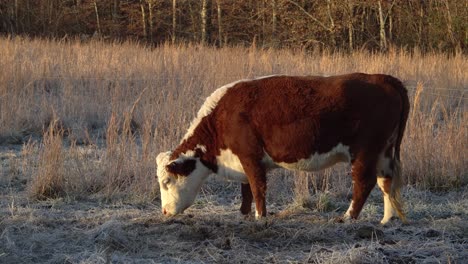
(202, 142)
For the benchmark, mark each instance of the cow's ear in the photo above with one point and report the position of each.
(182, 167)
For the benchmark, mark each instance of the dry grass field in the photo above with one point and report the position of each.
(81, 124)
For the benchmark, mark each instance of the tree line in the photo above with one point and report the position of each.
(323, 24)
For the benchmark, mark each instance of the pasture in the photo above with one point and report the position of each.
(81, 125)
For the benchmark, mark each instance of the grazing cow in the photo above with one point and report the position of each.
(304, 123)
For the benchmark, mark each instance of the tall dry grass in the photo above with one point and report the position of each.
(49, 180)
(435, 148)
(127, 102)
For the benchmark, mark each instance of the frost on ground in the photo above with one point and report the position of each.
(93, 230)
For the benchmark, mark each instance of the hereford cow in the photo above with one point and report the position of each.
(246, 128)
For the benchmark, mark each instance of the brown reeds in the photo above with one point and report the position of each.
(436, 141)
(49, 180)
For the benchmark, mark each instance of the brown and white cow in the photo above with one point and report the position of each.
(246, 128)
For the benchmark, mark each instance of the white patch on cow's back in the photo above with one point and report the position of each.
(211, 102)
(319, 161)
(230, 167)
(208, 106)
(267, 76)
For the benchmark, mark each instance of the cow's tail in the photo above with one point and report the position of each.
(397, 179)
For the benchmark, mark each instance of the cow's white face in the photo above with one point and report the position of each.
(180, 181)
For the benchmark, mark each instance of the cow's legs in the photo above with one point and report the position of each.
(364, 180)
(247, 198)
(385, 184)
(389, 181)
(384, 180)
(256, 175)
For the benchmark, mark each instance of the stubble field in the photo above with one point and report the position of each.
(81, 124)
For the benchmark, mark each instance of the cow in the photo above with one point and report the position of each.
(249, 127)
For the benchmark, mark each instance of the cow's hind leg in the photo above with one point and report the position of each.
(247, 199)
(385, 184)
(364, 180)
(384, 180)
(389, 181)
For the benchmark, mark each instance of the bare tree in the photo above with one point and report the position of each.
(390, 25)
(332, 24)
(205, 21)
(350, 11)
(382, 21)
(449, 23)
(16, 15)
(150, 19)
(261, 12)
(273, 22)
(98, 22)
(421, 24)
(143, 19)
(383, 39)
(220, 24)
(115, 10)
(174, 20)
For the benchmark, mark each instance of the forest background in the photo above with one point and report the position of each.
(432, 25)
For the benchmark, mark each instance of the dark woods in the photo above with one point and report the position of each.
(430, 25)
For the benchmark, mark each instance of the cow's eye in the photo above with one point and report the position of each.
(166, 181)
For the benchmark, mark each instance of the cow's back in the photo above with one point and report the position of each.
(294, 117)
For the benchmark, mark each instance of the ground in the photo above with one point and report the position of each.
(95, 230)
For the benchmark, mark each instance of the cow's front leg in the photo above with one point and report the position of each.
(256, 175)
(247, 199)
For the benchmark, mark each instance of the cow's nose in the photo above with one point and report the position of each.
(164, 211)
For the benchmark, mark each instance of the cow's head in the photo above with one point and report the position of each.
(180, 181)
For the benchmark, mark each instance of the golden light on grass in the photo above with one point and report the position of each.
(133, 101)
